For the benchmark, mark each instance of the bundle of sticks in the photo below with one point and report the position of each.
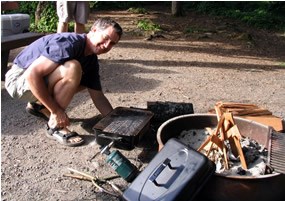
(241, 109)
(226, 130)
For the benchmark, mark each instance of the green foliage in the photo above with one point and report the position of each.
(189, 30)
(137, 10)
(28, 7)
(148, 25)
(48, 20)
(282, 64)
(71, 26)
(261, 14)
(110, 5)
(93, 4)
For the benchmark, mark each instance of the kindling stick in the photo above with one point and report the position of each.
(93, 179)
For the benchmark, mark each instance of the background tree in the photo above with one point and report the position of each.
(261, 14)
(39, 10)
(176, 8)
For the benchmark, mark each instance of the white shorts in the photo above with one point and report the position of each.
(73, 10)
(17, 85)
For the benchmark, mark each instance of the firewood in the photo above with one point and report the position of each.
(222, 132)
(226, 130)
(203, 145)
(214, 139)
(234, 135)
(254, 112)
(241, 155)
(237, 105)
(240, 109)
(234, 132)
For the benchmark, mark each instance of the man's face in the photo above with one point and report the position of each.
(103, 41)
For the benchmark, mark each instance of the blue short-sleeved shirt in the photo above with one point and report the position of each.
(61, 48)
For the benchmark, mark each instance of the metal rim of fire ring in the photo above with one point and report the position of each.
(162, 126)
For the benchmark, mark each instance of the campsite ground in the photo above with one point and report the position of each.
(220, 60)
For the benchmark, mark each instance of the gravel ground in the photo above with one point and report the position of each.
(226, 61)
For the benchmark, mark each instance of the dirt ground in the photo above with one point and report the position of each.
(221, 60)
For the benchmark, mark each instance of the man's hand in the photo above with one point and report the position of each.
(100, 101)
(58, 120)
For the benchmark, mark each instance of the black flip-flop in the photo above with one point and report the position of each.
(36, 110)
(62, 138)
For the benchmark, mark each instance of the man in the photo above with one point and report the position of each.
(72, 10)
(48, 73)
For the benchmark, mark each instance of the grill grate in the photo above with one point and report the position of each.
(277, 152)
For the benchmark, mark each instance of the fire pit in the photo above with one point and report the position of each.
(234, 188)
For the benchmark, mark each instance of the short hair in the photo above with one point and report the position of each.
(104, 23)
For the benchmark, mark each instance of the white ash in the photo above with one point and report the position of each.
(255, 154)
(194, 137)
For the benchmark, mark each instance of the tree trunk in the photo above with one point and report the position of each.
(176, 8)
(38, 12)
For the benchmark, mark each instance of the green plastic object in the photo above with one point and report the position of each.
(122, 165)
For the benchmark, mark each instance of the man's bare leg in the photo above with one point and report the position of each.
(44, 110)
(63, 83)
(62, 27)
(79, 28)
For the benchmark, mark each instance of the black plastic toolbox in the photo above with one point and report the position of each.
(125, 126)
(177, 172)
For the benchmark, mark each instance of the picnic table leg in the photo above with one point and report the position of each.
(4, 63)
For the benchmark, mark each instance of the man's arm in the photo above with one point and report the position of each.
(100, 101)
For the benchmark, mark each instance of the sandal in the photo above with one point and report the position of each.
(63, 138)
(36, 110)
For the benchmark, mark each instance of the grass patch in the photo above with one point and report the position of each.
(148, 25)
(137, 10)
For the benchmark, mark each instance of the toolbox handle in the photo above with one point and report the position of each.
(162, 166)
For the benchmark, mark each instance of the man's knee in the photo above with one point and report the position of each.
(69, 72)
(72, 72)
(72, 69)
(73, 64)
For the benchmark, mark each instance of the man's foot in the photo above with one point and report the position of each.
(38, 110)
(64, 136)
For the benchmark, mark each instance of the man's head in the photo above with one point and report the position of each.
(103, 35)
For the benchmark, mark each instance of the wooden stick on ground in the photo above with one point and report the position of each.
(93, 179)
(77, 177)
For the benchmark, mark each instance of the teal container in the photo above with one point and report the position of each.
(122, 165)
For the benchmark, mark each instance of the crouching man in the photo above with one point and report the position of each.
(48, 73)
